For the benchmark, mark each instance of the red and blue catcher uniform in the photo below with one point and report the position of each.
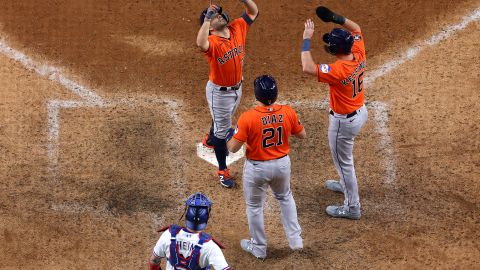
(177, 260)
(192, 262)
(189, 248)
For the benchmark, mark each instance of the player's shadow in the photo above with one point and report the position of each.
(283, 253)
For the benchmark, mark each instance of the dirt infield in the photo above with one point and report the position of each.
(85, 184)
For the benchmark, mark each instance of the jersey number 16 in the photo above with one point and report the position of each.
(357, 85)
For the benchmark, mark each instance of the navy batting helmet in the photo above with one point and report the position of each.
(338, 41)
(266, 90)
(197, 211)
(220, 11)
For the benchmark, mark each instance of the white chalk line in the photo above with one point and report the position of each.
(50, 72)
(381, 126)
(415, 49)
(386, 146)
(88, 98)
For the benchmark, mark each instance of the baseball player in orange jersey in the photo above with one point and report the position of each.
(224, 47)
(347, 110)
(266, 130)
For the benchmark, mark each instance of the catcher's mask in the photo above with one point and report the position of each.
(197, 211)
(338, 41)
(223, 13)
(266, 90)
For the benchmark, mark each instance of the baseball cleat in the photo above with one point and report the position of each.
(341, 211)
(206, 142)
(334, 185)
(226, 179)
(248, 247)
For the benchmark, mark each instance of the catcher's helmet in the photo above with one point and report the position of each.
(266, 90)
(220, 11)
(197, 211)
(338, 41)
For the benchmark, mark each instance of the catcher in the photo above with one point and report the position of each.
(189, 247)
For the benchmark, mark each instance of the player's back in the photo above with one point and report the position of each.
(345, 78)
(266, 131)
(185, 243)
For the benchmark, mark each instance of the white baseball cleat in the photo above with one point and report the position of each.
(248, 247)
(343, 211)
(334, 185)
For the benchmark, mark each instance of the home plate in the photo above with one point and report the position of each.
(209, 155)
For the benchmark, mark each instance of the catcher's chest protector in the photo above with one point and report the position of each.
(177, 260)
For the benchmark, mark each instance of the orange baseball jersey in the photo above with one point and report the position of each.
(346, 79)
(266, 131)
(225, 55)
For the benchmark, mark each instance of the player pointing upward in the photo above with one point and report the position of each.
(224, 47)
(347, 110)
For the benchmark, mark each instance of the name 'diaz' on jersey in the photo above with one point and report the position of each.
(272, 119)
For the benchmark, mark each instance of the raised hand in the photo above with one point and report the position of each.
(309, 29)
(212, 10)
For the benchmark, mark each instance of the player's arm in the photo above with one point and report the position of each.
(159, 251)
(329, 16)
(234, 145)
(351, 26)
(237, 137)
(251, 9)
(154, 262)
(202, 36)
(204, 32)
(301, 135)
(308, 65)
(298, 130)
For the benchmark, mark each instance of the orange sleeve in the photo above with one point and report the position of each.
(325, 73)
(211, 48)
(241, 25)
(241, 132)
(297, 127)
(358, 44)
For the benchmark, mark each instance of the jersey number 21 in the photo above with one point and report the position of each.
(269, 133)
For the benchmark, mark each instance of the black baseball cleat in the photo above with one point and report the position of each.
(226, 179)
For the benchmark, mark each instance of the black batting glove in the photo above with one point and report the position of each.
(327, 15)
(212, 10)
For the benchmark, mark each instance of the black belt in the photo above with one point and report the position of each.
(348, 115)
(268, 159)
(235, 87)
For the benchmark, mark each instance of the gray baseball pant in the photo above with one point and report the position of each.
(341, 136)
(257, 177)
(223, 105)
